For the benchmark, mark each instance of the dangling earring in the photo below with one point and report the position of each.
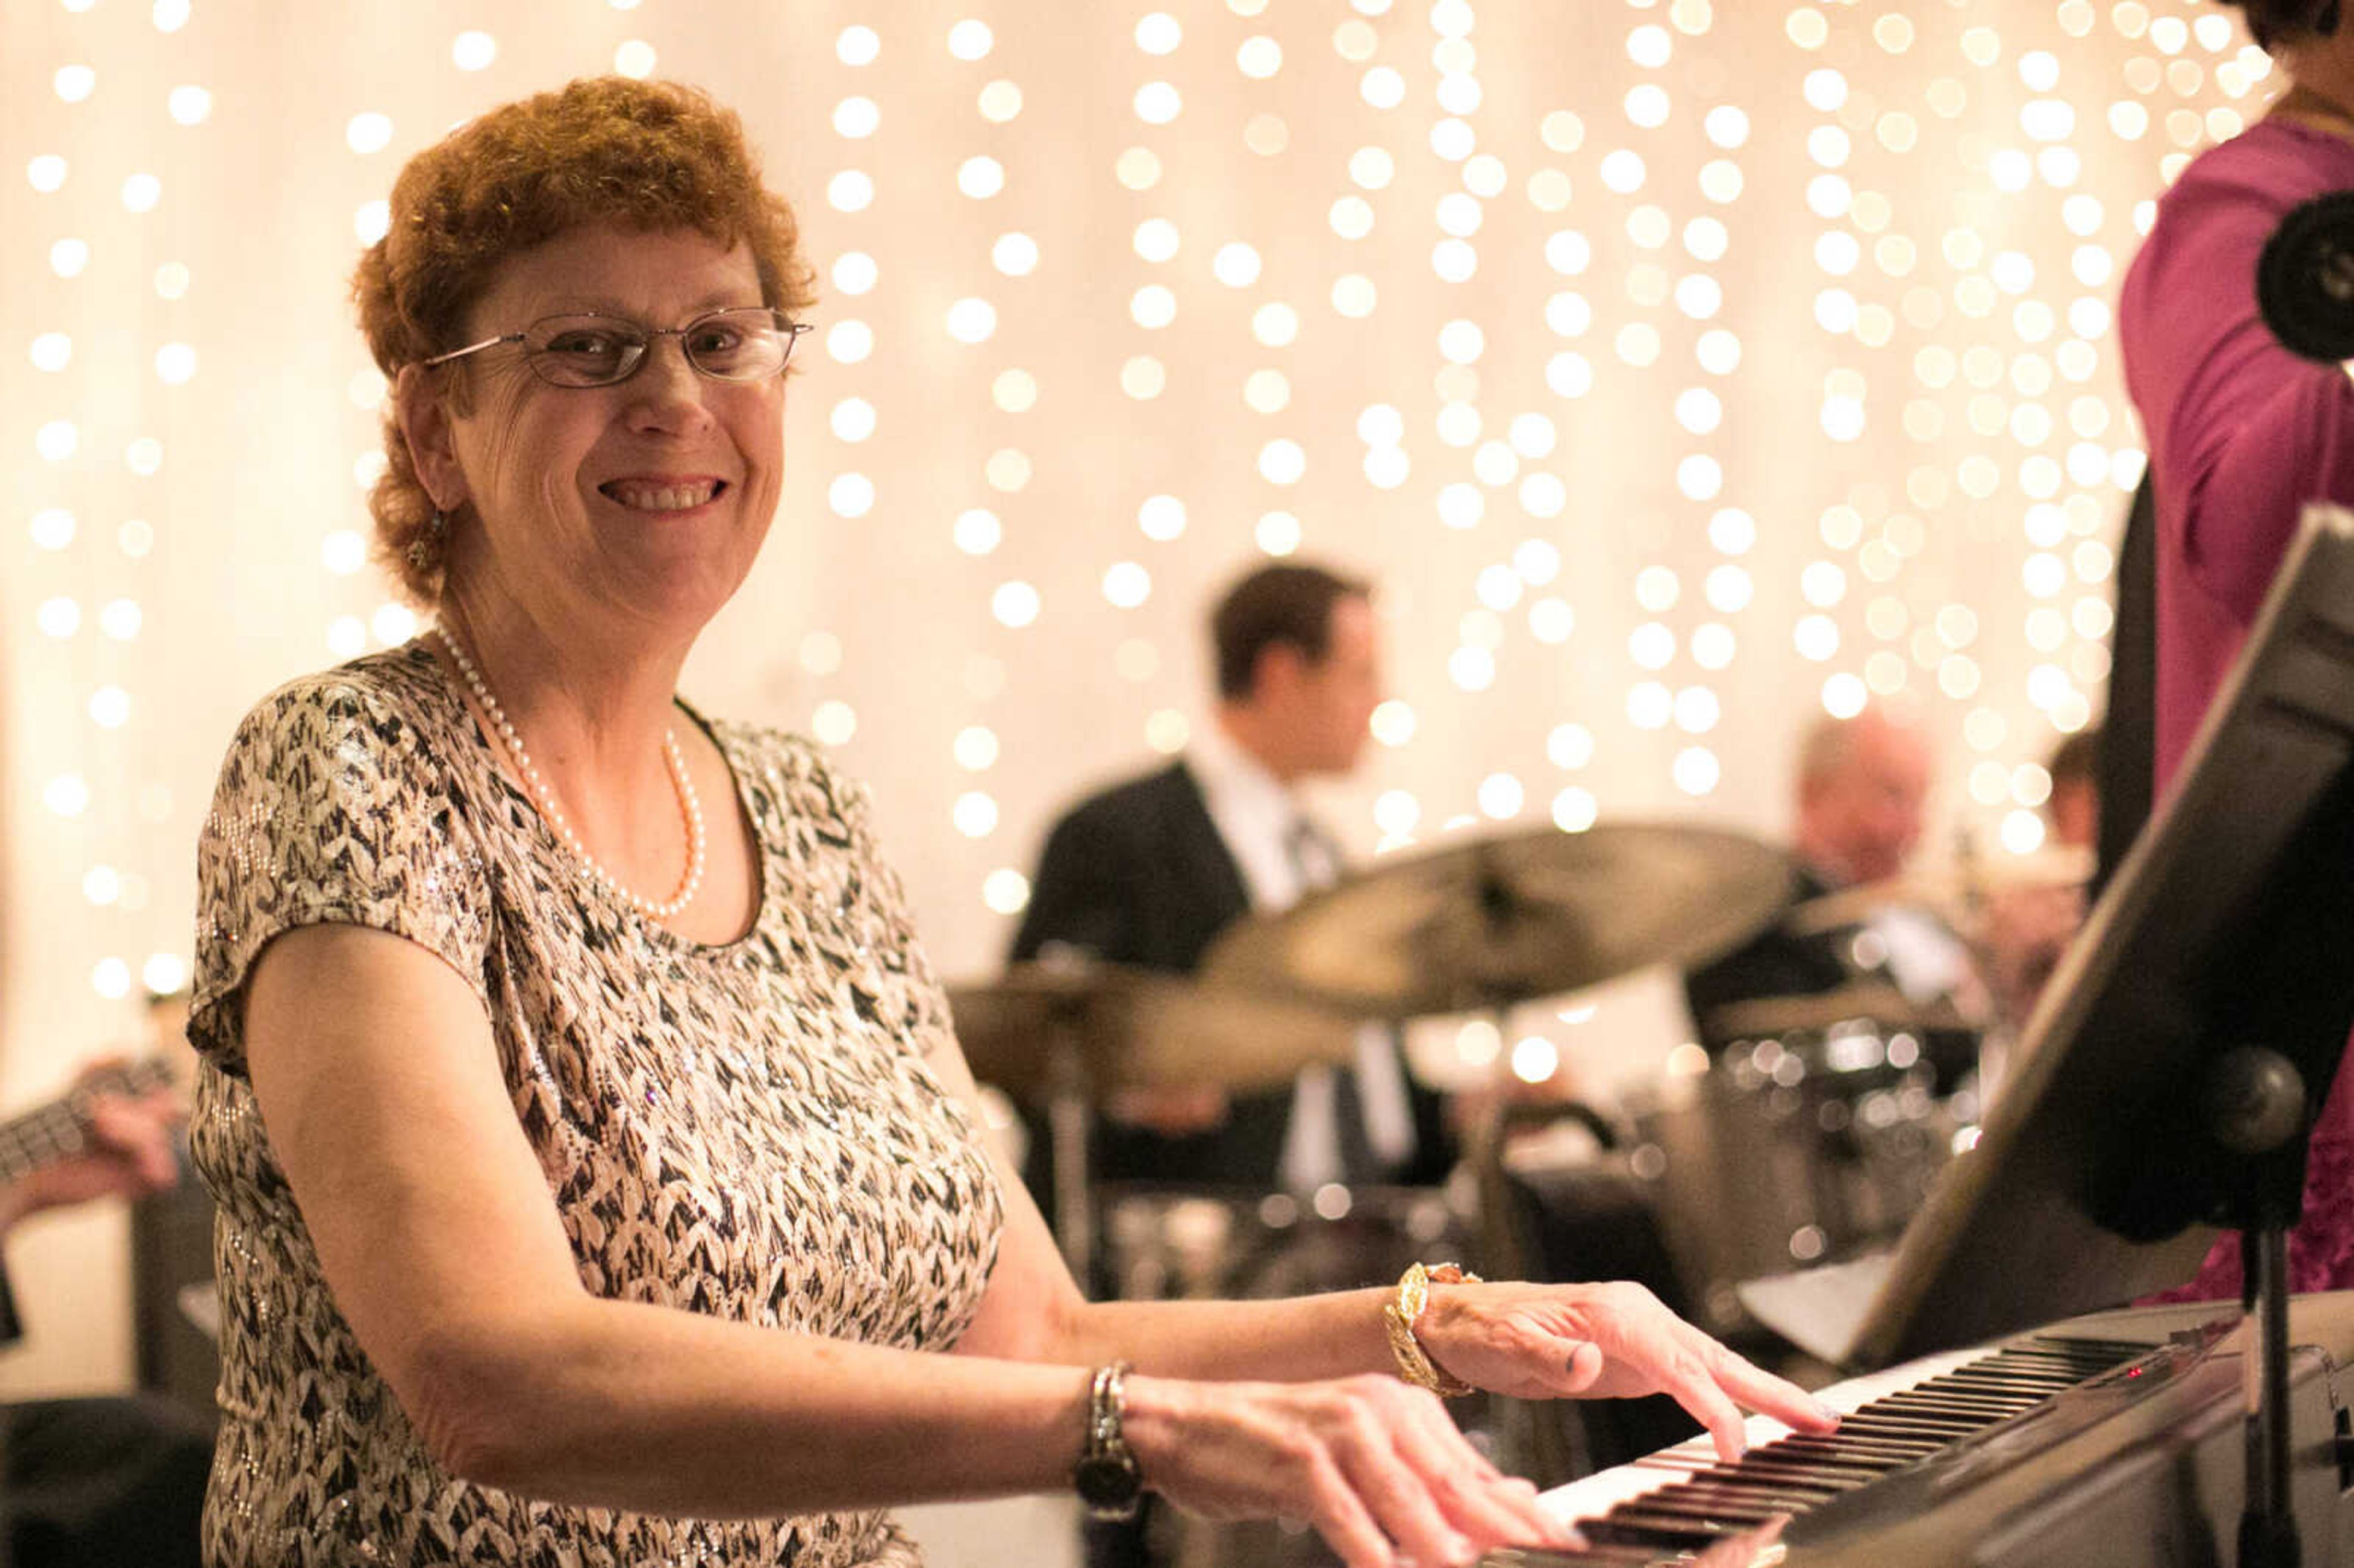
(427, 544)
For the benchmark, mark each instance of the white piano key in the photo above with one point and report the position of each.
(1598, 1494)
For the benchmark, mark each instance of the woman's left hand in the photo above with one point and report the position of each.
(1602, 1340)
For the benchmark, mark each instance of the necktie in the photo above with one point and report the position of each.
(1316, 865)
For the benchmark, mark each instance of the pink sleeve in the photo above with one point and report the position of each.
(2243, 432)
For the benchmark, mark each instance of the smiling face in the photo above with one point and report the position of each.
(646, 500)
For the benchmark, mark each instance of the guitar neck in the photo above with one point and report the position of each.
(61, 1129)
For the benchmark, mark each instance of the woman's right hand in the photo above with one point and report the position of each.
(1377, 1465)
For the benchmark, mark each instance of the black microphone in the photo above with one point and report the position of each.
(2305, 280)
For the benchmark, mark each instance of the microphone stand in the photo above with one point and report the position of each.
(2254, 1107)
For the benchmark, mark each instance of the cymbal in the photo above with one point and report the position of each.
(1134, 1027)
(1947, 889)
(1498, 921)
(1871, 1001)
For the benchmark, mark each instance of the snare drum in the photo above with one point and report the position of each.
(1789, 1150)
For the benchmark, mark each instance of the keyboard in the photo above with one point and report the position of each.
(2108, 1439)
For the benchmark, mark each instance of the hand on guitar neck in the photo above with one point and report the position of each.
(111, 1135)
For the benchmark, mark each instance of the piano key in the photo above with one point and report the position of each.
(2033, 1393)
(1750, 1477)
(1963, 1399)
(1823, 1477)
(1911, 1427)
(1595, 1495)
(1885, 1414)
(1800, 1462)
(1876, 1460)
(1673, 1514)
(1774, 1499)
(1597, 1554)
(1706, 1503)
(1862, 1443)
(1891, 1422)
(1945, 1402)
(1634, 1526)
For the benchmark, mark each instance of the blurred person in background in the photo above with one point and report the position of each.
(1151, 870)
(2242, 433)
(109, 1479)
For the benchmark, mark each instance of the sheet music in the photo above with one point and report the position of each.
(1820, 1310)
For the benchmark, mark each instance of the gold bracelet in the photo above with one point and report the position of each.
(1399, 1317)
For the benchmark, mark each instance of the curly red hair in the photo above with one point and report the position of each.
(641, 154)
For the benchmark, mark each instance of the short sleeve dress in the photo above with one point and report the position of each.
(747, 1131)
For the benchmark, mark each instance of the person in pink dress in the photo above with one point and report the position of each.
(2242, 434)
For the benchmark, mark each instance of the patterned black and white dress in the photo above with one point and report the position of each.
(746, 1130)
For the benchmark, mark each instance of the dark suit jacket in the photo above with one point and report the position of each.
(1779, 961)
(1139, 875)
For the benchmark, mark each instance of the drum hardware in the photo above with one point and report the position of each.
(1482, 925)
(1138, 1028)
(1071, 1030)
(1793, 1149)
(1866, 1007)
(1487, 925)
(1166, 1243)
(1953, 893)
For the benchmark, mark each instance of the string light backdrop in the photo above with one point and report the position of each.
(1677, 370)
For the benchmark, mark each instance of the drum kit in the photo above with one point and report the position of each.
(1814, 1132)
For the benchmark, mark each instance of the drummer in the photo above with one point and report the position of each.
(1148, 872)
(1860, 788)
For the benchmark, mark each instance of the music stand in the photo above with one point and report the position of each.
(2128, 1128)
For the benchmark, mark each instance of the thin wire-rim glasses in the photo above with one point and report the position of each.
(583, 349)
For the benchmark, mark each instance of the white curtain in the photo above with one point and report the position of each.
(1674, 368)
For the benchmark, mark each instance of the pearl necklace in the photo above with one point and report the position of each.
(690, 807)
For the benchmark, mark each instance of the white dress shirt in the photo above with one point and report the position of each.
(1258, 817)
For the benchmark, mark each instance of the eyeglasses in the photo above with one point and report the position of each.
(748, 343)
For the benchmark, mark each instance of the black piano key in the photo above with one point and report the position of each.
(1634, 1526)
(1960, 1399)
(1775, 1497)
(2041, 1363)
(1933, 1395)
(2022, 1378)
(1946, 1404)
(1887, 1415)
(2025, 1397)
(1849, 1457)
(1857, 1440)
(1912, 1426)
(1701, 1500)
(1824, 1484)
(1871, 1461)
(1979, 1372)
(1829, 1478)
(1723, 1517)
(1742, 1476)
